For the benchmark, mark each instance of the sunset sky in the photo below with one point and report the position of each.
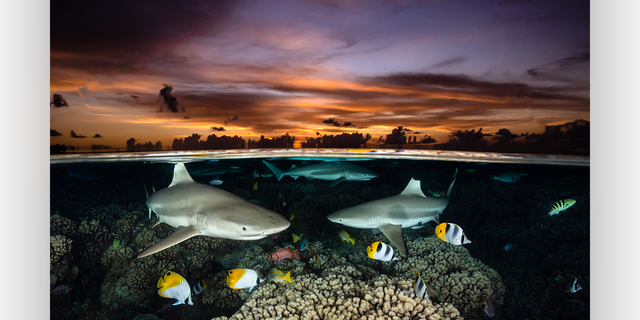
(159, 70)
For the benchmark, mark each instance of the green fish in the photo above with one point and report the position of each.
(116, 240)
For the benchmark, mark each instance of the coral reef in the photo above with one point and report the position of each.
(340, 294)
(461, 279)
(61, 268)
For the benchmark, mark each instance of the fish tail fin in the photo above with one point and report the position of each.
(67, 177)
(297, 254)
(353, 241)
(287, 277)
(455, 176)
(279, 173)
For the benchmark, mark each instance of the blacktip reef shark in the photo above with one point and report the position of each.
(411, 208)
(331, 171)
(198, 209)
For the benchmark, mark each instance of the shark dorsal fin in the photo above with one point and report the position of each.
(413, 189)
(180, 175)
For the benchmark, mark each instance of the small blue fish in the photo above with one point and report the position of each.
(216, 181)
(508, 246)
(83, 175)
(303, 244)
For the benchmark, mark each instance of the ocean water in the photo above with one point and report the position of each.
(520, 258)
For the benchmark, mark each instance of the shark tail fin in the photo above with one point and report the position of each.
(455, 176)
(279, 174)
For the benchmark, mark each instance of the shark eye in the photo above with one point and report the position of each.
(244, 228)
(340, 219)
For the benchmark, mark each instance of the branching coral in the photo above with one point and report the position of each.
(461, 279)
(338, 294)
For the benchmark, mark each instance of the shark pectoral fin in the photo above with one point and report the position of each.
(337, 181)
(393, 232)
(376, 231)
(181, 234)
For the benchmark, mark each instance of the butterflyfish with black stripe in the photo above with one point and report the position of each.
(452, 233)
(381, 251)
(199, 287)
(420, 287)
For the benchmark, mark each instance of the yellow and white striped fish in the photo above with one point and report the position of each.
(561, 205)
(452, 233)
(381, 251)
(243, 278)
(420, 287)
(345, 237)
(276, 275)
(174, 286)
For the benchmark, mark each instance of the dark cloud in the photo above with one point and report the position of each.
(217, 129)
(97, 135)
(54, 133)
(74, 135)
(450, 62)
(125, 36)
(229, 120)
(169, 100)
(461, 84)
(58, 101)
(337, 123)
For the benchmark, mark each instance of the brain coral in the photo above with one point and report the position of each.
(461, 279)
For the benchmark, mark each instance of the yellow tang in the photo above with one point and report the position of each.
(174, 286)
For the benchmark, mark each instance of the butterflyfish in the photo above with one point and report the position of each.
(174, 286)
(199, 287)
(243, 278)
(381, 251)
(452, 233)
(572, 284)
(420, 287)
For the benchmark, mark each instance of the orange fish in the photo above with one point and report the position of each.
(282, 253)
